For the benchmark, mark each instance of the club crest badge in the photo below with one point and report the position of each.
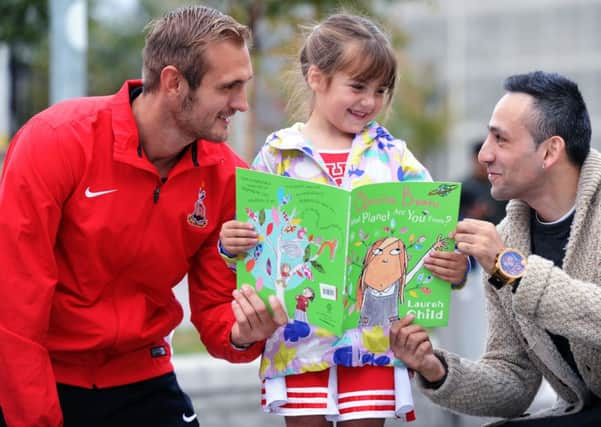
(198, 218)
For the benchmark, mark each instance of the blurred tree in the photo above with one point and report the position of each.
(419, 112)
(116, 37)
(116, 42)
(23, 20)
(24, 28)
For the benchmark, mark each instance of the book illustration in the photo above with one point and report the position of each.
(286, 255)
(443, 190)
(339, 259)
(302, 303)
(383, 280)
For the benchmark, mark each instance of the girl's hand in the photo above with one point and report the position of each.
(237, 237)
(448, 266)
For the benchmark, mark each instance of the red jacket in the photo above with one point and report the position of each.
(91, 245)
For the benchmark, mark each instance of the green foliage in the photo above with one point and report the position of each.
(186, 341)
(114, 55)
(23, 20)
(418, 112)
(24, 28)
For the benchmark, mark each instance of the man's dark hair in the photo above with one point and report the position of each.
(560, 108)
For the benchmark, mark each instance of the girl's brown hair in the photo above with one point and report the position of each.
(351, 43)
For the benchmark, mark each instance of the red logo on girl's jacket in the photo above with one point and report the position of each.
(198, 218)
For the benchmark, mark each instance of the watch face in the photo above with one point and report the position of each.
(511, 263)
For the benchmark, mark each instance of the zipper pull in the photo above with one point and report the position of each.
(156, 193)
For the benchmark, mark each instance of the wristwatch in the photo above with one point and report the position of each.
(510, 266)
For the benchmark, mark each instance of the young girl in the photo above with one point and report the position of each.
(350, 68)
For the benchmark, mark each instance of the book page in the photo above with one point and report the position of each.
(392, 227)
(302, 237)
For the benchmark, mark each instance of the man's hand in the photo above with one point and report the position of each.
(237, 237)
(480, 240)
(253, 320)
(411, 344)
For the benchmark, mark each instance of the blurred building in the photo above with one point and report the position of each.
(472, 45)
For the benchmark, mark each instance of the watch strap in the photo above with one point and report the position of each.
(496, 281)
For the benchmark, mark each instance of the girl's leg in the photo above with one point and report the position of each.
(308, 421)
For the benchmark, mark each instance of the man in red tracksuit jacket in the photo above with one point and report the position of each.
(106, 203)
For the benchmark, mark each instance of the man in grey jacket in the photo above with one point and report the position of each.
(542, 267)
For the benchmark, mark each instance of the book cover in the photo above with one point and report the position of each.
(339, 259)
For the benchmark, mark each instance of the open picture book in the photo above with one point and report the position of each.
(339, 259)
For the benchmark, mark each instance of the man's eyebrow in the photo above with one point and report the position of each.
(494, 129)
(236, 82)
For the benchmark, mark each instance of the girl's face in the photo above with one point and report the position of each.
(346, 104)
(385, 265)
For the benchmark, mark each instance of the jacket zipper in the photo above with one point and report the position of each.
(157, 191)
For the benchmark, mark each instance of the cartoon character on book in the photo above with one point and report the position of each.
(383, 278)
(302, 302)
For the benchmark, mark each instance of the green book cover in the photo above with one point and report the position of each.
(339, 259)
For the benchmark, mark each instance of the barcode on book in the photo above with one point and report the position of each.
(327, 291)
